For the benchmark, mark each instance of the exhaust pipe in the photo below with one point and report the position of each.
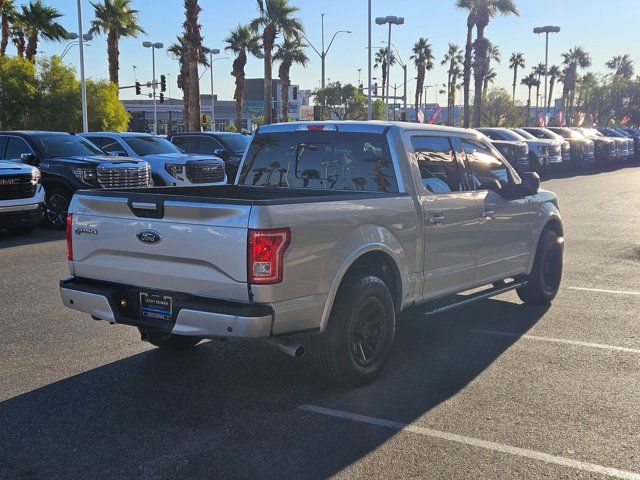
(284, 344)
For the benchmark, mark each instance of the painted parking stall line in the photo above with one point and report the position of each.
(613, 348)
(602, 290)
(476, 442)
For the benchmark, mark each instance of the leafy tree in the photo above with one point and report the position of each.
(275, 17)
(18, 89)
(423, 60)
(500, 110)
(289, 52)
(105, 111)
(515, 62)
(58, 88)
(39, 21)
(344, 102)
(378, 110)
(241, 41)
(117, 19)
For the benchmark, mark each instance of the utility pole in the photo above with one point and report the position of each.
(391, 20)
(212, 52)
(83, 85)
(546, 30)
(153, 47)
(369, 103)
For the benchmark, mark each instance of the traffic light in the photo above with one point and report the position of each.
(138, 88)
(163, 83)
(161, 97)
(295, 93)
(204, 118)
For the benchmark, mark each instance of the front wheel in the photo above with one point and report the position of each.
(57, 207)
(546, 275)
(358, 338)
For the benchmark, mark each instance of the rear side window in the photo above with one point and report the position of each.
(187, 143)
(16, 146)
(439, 169)
(320, 160)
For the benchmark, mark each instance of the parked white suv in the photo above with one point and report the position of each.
(21, 197)
(169, 165)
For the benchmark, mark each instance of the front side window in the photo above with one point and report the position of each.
(16, 147)
(486, 166)
(208, 145)
(62, 145)
(144, 145)
(320, 160)
(439, 169)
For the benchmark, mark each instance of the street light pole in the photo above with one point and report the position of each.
(83, 85)
(212, 52)
(546, 30)
(369, 103)
(153, 47)
(391, 20)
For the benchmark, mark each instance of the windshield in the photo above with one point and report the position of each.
(524, 134)
(611, 133)
(64, 145)
(146, 145)
(320, 160)
(236, 143)
(572, 134)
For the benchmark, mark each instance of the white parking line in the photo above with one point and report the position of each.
(600, 290)
(476, 442)
(613, 348)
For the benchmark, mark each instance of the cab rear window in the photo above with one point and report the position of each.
(320, 160)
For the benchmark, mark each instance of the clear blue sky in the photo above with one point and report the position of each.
(605, 29)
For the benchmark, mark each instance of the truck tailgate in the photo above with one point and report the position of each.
(154, 242)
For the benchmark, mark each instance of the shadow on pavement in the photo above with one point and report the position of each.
(39, 235)
(593, 169)
(229, 410)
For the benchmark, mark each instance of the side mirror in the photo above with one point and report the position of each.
(530, 183)
(29, 159)
(492, 185)
(117, 153)
(222, 153)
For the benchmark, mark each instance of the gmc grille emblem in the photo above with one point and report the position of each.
(149, 236)
(9, 181)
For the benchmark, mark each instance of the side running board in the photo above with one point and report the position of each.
(439, 306)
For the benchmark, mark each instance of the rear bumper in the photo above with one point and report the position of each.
(191, 316)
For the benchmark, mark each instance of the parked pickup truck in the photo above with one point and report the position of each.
(21, 197)
(330, 231)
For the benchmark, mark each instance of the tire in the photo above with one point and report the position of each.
(21, 230)
(175, 342)
(546, 275)
(356, 344)
(56, 207)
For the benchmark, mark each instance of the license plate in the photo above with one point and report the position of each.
(154, 306)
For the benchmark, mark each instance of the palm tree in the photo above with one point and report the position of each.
(7, 17)
(241, 41)
(423, 59)
(516, 61)
(193, 42)
(574, 59)
(554, 74)
(454, 59)
(489, 78)
(39, 21)
(622, 66)
(530, 81)
(471, 6)
(290, 52)
(539, 70)
(117, 19)
(493, 54)
(381, 60)
(485, 10)
(276, 16)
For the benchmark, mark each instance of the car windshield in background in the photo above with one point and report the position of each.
(524, 134)
(144, 145)
(320, 160)
(236, 143)
(51, 146)
(510, 135)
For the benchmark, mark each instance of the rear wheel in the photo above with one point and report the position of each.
(358, 338)
(546, 275)
(174, 342)
(57, 207)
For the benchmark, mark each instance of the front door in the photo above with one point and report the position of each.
(450, 217)
(505, 223)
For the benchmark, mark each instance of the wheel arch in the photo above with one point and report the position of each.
(552, 221)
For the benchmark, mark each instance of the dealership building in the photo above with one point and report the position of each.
(224, 111)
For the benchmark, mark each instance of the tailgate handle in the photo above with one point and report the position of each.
(147, 209)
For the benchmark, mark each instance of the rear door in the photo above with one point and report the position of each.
(200, 248)
(450, 216)
(504, 232)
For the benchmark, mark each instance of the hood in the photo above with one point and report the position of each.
(182, 158)
(14, 168)
(543, 142)
(94, 160)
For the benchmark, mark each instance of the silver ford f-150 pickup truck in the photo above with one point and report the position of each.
(330, 231)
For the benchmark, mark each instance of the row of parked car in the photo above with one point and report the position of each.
(539, 149)
(40, 171)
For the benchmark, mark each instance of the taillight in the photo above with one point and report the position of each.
(265, 255)
(69, 238)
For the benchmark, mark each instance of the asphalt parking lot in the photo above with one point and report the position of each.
(493, 390)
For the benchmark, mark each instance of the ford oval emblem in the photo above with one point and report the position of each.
(149, 236)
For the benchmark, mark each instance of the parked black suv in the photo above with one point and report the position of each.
(228, 146)
(69, 162)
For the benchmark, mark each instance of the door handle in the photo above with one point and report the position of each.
(436, 218)
(488, 214)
